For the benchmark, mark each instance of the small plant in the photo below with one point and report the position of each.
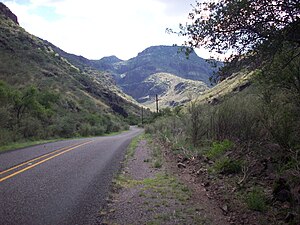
(132, 146)
(228, 166)
(256, 200)
(157, 164)
(218, 149)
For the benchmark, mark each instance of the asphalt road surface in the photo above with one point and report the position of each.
(65, 182)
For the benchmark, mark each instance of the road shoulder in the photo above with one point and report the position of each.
(149, 191)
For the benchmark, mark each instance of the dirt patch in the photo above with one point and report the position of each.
(246, 197)
(148, 192)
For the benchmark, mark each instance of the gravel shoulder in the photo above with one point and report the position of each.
(151, 190)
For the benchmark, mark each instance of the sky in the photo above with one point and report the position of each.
(99, 28)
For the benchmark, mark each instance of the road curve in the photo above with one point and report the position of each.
(65, 182)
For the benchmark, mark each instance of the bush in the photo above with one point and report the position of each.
(98, 130)
(197, 123)
(6, 136)
(228, 166)
(157, 163)
(256, 200)
(219, 148)
(237, 118)
(65, 126)
(31, 128)
(85, 130)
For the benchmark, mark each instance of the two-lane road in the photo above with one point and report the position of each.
(65, 182)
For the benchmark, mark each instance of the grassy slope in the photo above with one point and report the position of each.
(227, 86)
(174, 90)
(26, 60)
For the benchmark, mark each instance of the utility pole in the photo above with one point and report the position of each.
(142, 115)
(156, 103)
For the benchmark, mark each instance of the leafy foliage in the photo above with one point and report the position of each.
(31, 114)
(219, 148)
(261, 120)
(242, 25)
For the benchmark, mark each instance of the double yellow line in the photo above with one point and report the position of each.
(37, 161)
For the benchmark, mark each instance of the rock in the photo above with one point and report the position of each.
(210, 162)
(242, 87)
(6, 12)
(214, 101)
(205, 184)
(205, 159)
(225, 208)
(202, 170)
(181, 165)
(208, 196)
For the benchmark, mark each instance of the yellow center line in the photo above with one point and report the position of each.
(42, 161)
(37, 158)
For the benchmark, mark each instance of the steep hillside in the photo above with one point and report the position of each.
(29, 68)
(171, 90)
(85, 64)
(131, 74)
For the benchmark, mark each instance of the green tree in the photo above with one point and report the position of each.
(243, 27)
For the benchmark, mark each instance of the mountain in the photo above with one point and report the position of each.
(131, 74)
(44, 94)
(85, 64)
(139, 76)
(171, 90)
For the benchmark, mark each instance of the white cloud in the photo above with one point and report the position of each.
(96, 29)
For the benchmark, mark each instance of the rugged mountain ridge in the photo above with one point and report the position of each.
(7, 13)
(132, 75)
(156, 59)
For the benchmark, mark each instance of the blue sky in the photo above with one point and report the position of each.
(98, 28)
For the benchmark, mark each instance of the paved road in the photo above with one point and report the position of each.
(65, 182)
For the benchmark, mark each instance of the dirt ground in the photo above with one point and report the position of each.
(152, 189)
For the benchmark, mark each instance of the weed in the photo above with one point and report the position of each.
(167, 186)
(256, 200)
(157, 164)
(123, 181)
(132, 146)
(218, 149)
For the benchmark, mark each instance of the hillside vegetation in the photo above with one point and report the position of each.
(44, 96)
(241, 138)
(171, 90)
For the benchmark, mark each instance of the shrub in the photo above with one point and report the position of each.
(98, 130)
(85, 129)
(31, 128)
(6, 136)
(157, 163)
(197, 122)
(256, 200)
(237, 118)
(219, 148)
(228, 166)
